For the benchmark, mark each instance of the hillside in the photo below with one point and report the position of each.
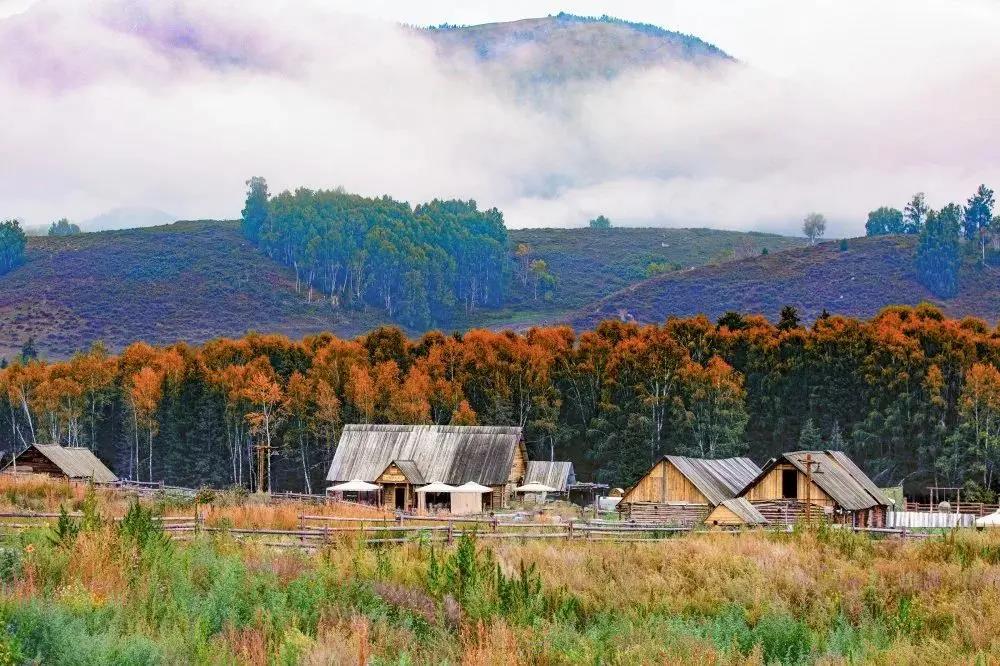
(872, 273)
(187, 281)
(193, 281)
(560, 48)
(591, 263)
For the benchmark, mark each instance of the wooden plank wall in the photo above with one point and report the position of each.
(769, 488)
(664, 483)
(722, 516)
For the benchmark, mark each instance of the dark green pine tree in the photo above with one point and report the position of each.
(809, 437)
(789, 319)
(938, 258)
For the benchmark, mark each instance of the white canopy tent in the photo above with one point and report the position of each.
(991, 520)
(467, 498)
(433, 488)
(536, 491)
(356, 486)
(535, 488)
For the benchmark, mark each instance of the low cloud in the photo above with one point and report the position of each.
(173, 105)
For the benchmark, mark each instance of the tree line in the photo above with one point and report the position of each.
(421, 265)
(12, 245)
(913, 395)
(942, 235)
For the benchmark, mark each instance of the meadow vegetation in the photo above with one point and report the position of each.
(93, 590)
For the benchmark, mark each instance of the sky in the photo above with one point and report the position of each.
(837, 107)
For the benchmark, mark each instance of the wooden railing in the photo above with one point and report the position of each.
(973, 508)
(318, 531)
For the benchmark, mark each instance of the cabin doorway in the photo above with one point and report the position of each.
(789, 484)
(400, 498)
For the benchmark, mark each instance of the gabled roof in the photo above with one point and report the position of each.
(838, 476)
(745, 511)
(76, 462)
(717, 479)
(450, 454)
(553, 474)
(410, 470)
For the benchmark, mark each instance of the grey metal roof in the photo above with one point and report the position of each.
(745, 511)
(553, 474)
(840, 480)
(77, 462)
(450, 454)
(861, 477)
(411, 471)
(719, 479)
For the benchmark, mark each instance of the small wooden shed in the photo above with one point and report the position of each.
(554, 474)
(76, 462)
(838, 490)
(684, 490)
(735, 511)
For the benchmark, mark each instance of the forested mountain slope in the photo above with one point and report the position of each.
(870, 274)
(196, 280)
(555, 49)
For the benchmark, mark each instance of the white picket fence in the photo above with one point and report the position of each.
(928, 519)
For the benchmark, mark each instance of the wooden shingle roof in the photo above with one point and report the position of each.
(717, 479)
(556, 474)
(450, 454)
(76, 462)
(838, 476)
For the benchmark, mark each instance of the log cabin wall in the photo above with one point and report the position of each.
(38, 464)
(664, 483)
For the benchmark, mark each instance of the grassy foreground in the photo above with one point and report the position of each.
(96, 591)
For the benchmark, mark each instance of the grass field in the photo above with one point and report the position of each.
(104, 592)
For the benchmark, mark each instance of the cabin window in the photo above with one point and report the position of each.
(789, 484)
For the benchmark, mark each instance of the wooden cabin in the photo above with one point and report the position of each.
(402, 458)
(555, 474)
(838, 491)
(735, 512)
(61, 462)
(684, 490)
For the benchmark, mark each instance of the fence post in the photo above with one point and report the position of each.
(569, 531)
(451, 532)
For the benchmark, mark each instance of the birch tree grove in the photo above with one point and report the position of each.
(419, 265)
(912, 395)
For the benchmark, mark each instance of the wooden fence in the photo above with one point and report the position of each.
(928, 520)
(972, 508)
(317, 531)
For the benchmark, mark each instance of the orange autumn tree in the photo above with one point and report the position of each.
(265, 396)
(714, 412)
(979, 425)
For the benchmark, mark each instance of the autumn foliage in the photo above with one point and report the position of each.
(911, 394)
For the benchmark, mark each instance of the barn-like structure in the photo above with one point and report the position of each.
(839, 490)
(554, 474)
(684, 490)
(77, 463)
(402, 458)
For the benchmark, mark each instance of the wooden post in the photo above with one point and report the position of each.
(451, 532)
(809, 478)
(569, 532)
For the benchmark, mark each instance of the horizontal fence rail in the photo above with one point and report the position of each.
(429, 529)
